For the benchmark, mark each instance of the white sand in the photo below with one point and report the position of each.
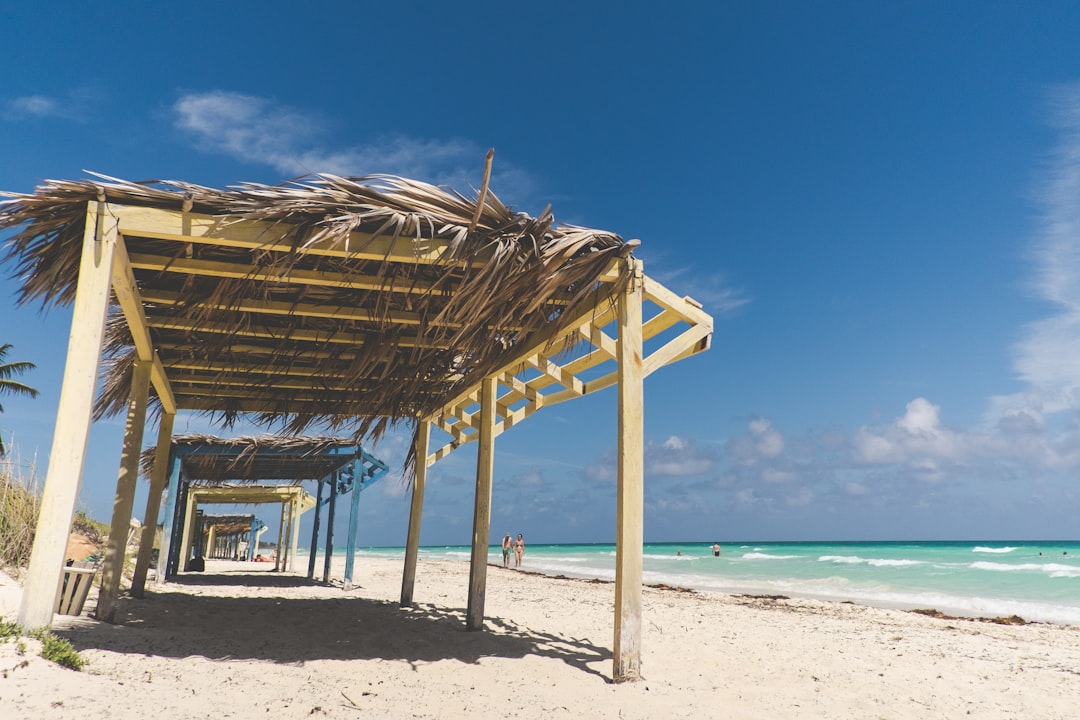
(251, 644)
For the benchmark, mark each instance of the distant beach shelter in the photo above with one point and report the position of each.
(203, 470)
(345, 303)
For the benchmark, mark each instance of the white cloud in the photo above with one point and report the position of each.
(75, 105)
(259, 130)
(712, 291)
(35, 105)
(914, 438)
(1045, 358)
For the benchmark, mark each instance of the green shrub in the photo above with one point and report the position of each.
(58, 650)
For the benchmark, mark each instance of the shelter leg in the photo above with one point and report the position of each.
(412, 542)
(116, 550)
(315, 530)
(278, 565)
(629, 531)
(294, 532)
(153, 504)
(330, 510)
(73, 418)
(354, 526)
(485, 468)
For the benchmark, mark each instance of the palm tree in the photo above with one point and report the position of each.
(12, 387)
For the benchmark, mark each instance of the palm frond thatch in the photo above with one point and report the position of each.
(394, 348)
(211, 460)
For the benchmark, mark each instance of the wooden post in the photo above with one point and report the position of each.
(190, 511)
(153, 505)
(116, 550)
(485, 468)
(416, 510)
(330, 509)
(278, 559)
(315, 531)
(170, 532)
(211, 542)
(354, 526)
(631, 469)
(294, 532)
(73, 418)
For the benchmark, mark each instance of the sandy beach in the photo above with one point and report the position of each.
(240, 642)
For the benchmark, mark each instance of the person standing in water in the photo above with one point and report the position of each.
(716, 549)
(507, 546)
(519, 550)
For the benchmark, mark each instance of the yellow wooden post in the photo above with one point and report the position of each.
(189, 532)
(412, 542)
(116, 550)
(485, 468)
(210, 551)
(73, 419)
(294, 534)
(153, 503)
(278, 560)
(629, 531)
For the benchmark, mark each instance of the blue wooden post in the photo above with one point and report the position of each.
(168, 521)
(330, 527)
(354, 521)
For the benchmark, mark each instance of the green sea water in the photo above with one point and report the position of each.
(1039, 581)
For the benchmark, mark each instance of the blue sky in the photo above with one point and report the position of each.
(879, 203)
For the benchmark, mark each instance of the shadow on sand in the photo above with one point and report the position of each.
(171, 622)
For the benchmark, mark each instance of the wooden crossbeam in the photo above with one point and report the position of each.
(292, 276)
(297, 335)
(277, 307)
(225, 231)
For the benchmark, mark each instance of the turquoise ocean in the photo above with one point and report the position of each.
(1039, 581)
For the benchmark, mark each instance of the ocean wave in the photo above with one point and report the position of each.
(1054, 570)
(982, 549)
(873, 562)
(766, 556)
(884, 562)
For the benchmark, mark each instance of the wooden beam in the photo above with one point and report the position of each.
(677, 348)
(631, 472)
(536, 345)
(291, 309)
(73, 418)
(161, 384)
(687, 308)
(320, 337)
(153, 504)
(225, 231)
(285, 275)
(416, 511)
(485, 469)
(127, 295)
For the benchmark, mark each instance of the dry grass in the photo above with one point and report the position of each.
(20, 500)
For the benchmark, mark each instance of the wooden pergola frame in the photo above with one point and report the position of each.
(119, 260)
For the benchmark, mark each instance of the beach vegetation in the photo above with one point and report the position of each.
(53, 647)
(20, 502)
(58, 650)
(9, 385)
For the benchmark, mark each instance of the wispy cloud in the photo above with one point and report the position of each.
(714, 292)
(1045, 359)
(290, 140)
(76, 105)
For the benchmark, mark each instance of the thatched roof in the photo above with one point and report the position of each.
(343, 303)
(209, 460)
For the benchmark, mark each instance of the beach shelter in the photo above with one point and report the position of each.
(342, 303)
(203, 470)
